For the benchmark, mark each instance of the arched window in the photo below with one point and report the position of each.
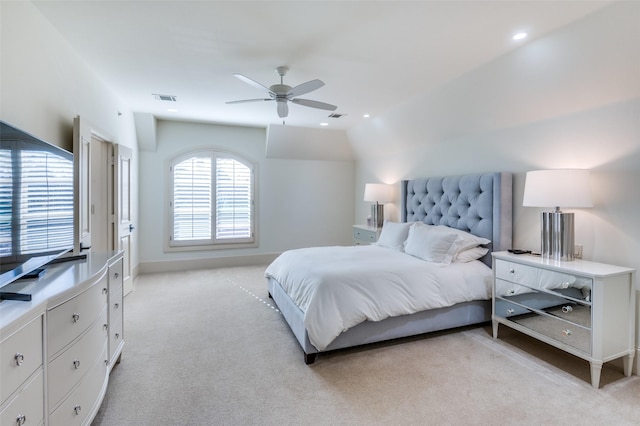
(211, 200)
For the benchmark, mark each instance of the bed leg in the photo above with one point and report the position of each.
(309, 358)
(270, 296)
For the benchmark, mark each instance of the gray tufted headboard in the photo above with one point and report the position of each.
(480, 204)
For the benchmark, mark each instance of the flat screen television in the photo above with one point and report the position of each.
(36, 204)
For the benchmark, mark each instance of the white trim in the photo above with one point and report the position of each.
(206, 263)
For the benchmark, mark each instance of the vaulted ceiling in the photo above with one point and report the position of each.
(371, 55)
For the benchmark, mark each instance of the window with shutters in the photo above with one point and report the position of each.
(211, 200)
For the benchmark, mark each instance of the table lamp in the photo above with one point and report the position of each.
(378, 194)
(555, 188)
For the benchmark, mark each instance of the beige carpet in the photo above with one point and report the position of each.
(208, 348)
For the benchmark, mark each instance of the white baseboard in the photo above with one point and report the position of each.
(215, 262)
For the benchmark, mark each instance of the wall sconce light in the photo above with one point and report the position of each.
(555, 188)
(378, 194)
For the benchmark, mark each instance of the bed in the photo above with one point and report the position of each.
(477, 206)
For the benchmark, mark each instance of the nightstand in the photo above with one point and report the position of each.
(584, 308)
(363, 234)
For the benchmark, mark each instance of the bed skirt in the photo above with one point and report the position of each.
(459, 315)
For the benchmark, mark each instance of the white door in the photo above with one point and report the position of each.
(122, 210)
(101, 190)
(82, 184)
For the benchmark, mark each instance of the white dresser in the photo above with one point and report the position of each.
(61, 346)
(584, 308)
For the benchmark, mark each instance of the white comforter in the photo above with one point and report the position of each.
(340, 287)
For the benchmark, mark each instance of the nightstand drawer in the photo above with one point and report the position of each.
(538, 278)
(365, 235)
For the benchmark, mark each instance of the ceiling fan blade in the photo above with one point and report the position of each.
(283, 109)
(249, 100)
(303, 88)
(314, 104)
(254, 84)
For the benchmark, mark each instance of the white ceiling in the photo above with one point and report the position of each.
(372, 55)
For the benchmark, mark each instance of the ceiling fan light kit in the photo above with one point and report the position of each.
(282, 93)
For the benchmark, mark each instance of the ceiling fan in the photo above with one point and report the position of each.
(282, 94)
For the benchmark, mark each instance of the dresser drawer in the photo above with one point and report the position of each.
(67, 321)
(115, 275)
(571, 328)
(538, 278)
(69, 367)
(27, 405)
(20, 356)
(83, 401)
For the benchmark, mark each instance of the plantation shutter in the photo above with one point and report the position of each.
(6, 202)
(192, 199)
(46, 218)
(233, 199)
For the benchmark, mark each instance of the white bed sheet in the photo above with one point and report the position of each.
(340, 287)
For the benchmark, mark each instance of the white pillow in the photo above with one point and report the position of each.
(466, 240)
(393, 235)
(424, 243)
(468, 255)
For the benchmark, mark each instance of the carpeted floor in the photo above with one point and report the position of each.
(209, 348)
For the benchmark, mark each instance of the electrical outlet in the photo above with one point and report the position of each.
(577, 252)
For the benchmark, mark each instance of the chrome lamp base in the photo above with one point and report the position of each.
(557, 236)
(377, 215)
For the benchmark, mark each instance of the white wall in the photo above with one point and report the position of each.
(300, 203)
(570, 99)
(45, 84)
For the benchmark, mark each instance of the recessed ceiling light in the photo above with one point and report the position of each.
(324, 124)
(520, 36)
(366, 115)
(172, 110)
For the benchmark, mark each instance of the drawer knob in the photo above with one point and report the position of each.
(117, 335)
(566, 332)
(76, 363)
(105, 291)
(512, 271)
(19, 359)
(77, 409)
(105, 326)
(75, 317)
(510, 311)
(567, 309)
(21, 419)
(116, 305)
(116, 275)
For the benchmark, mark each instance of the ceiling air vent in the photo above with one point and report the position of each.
(336, 115)
(168, 98)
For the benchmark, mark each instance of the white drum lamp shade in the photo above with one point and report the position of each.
(568, 188)
(378, 194)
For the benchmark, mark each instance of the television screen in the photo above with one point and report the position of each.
(36, 203)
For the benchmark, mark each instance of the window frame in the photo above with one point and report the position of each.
(212, 243)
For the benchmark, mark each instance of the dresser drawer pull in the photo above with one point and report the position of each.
(105, 290)
(105, 326)
(117, 335)
(21, 419)
(76, 363)
(510, 311)
(19, 359)
(75, 317)
(566, 332)
(116, 275)
(512, 271)
(567, 309)
(116, 305)
(77, 410)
